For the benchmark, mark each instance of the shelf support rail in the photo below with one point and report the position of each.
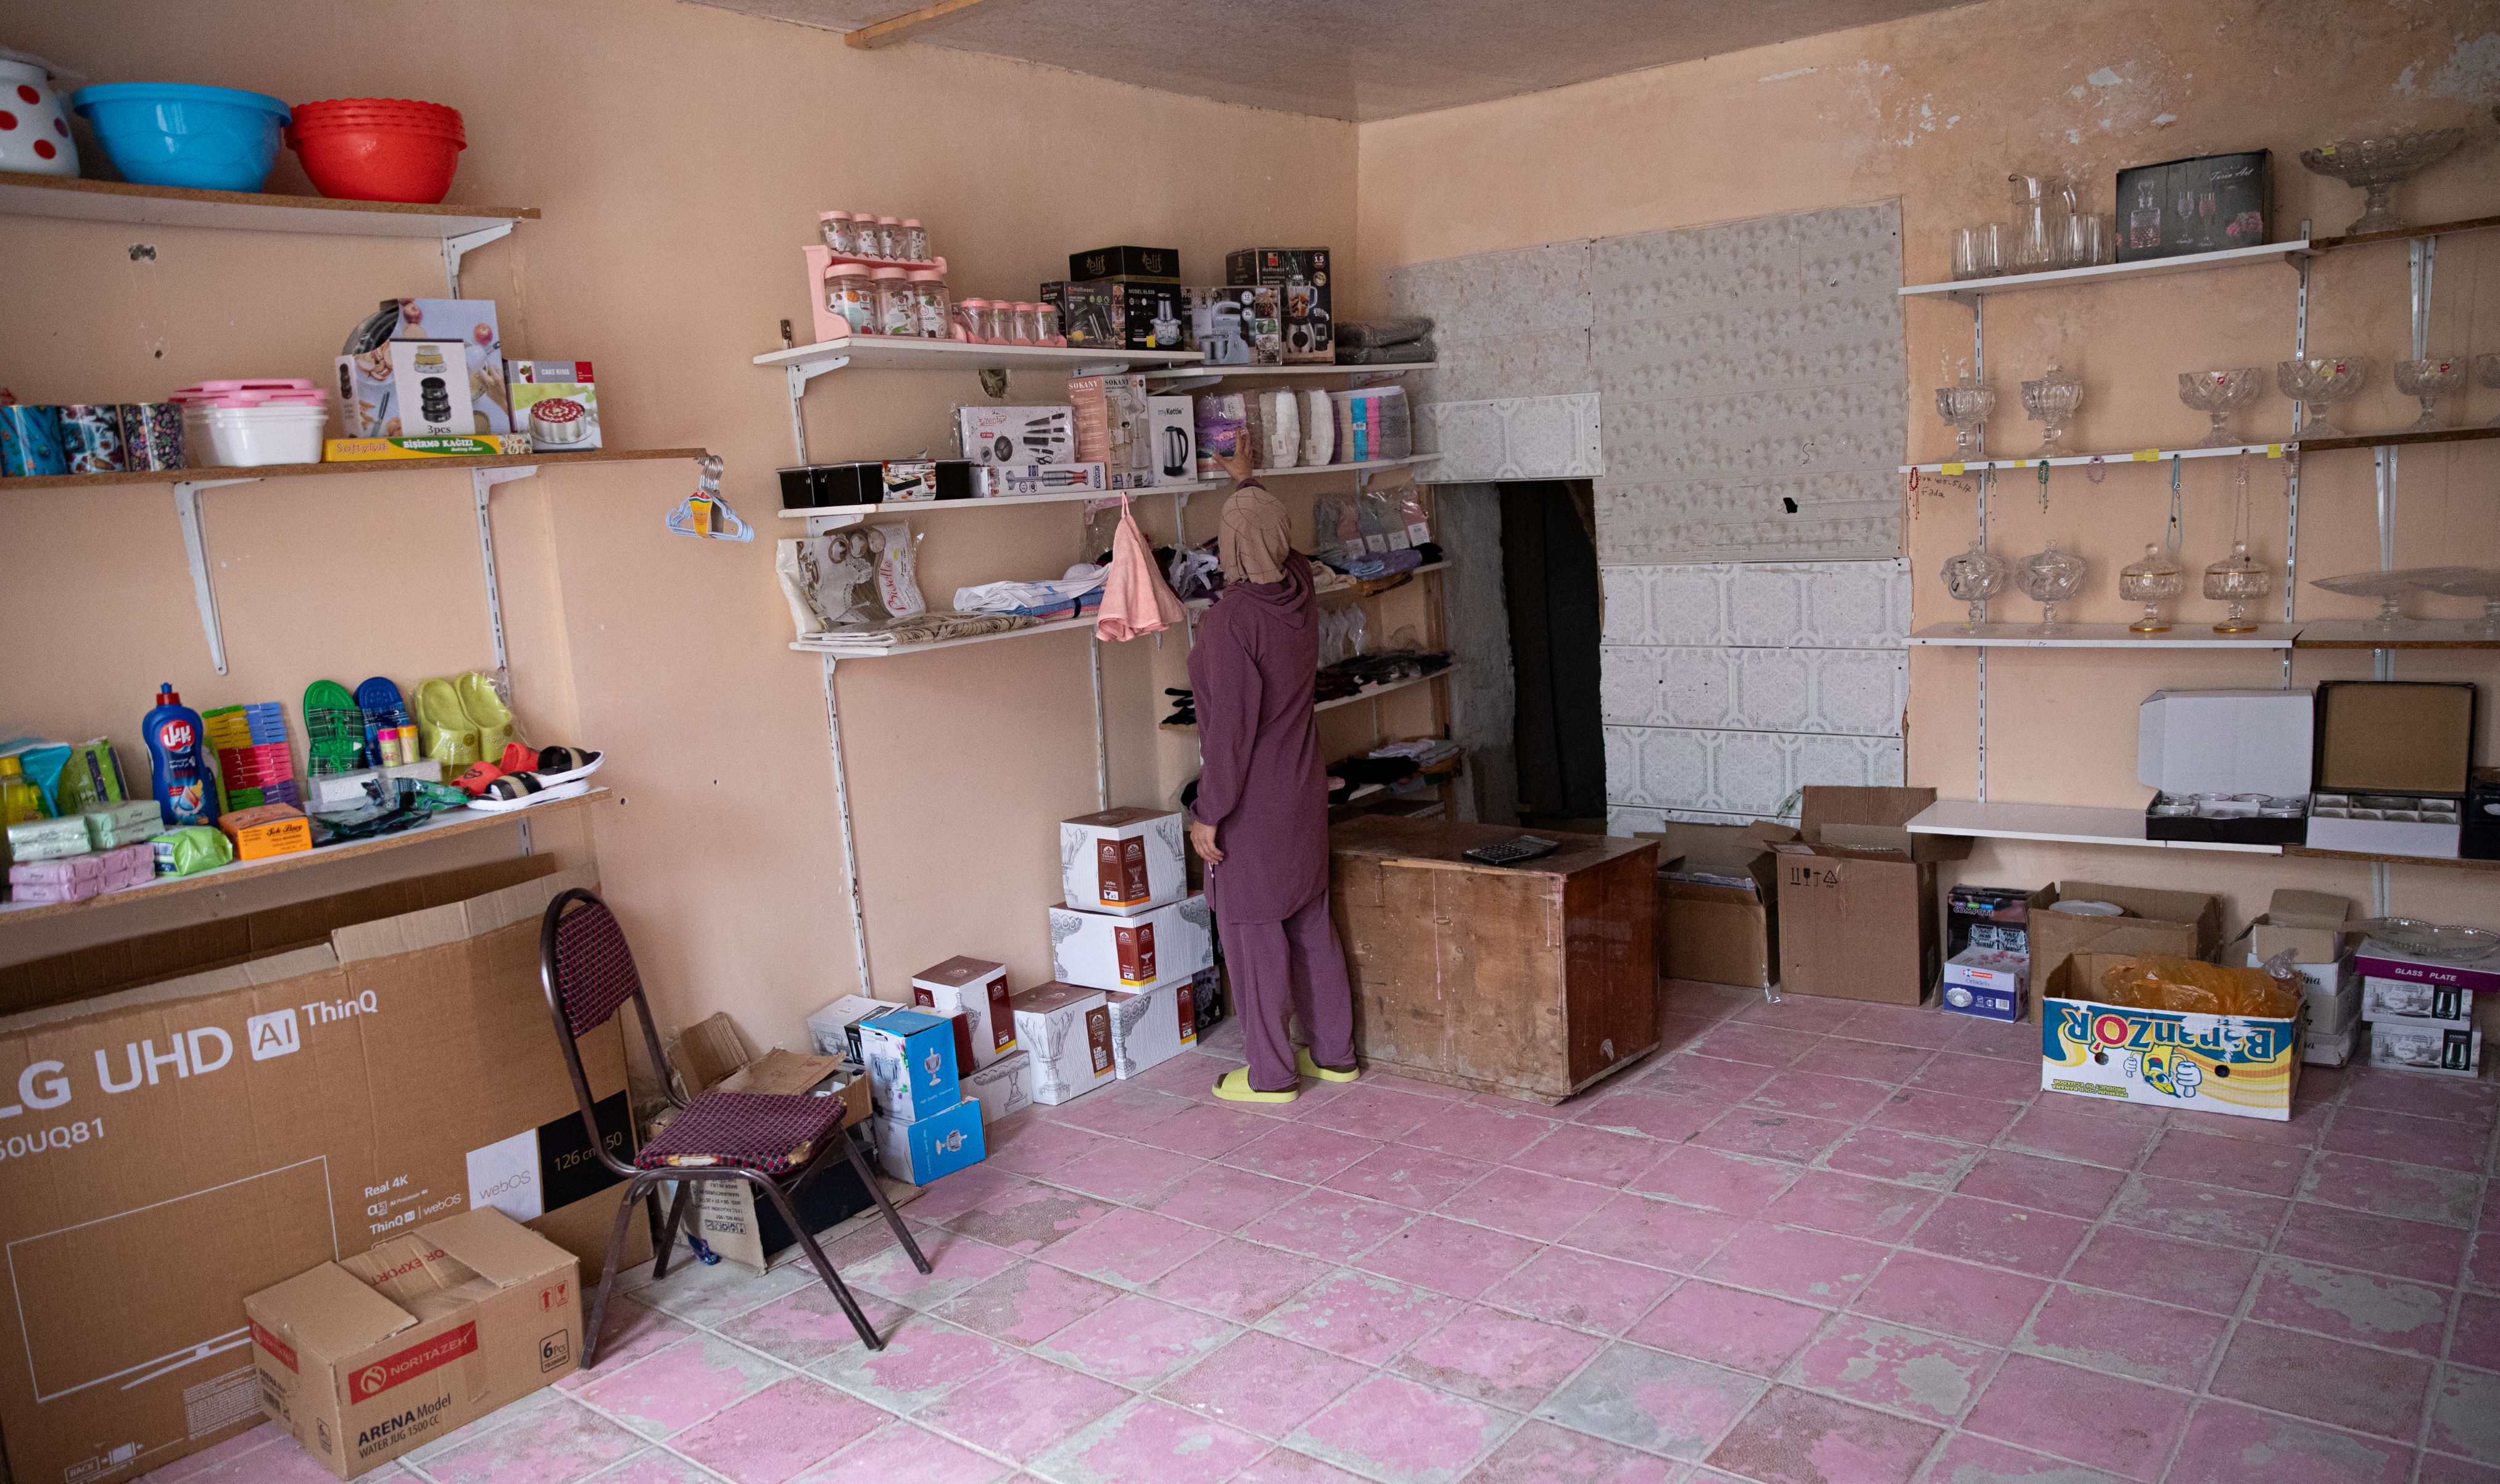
(195, 547)
(1101, 729)
(462, 244)
(481, 484)
(800, 376)
(1987, 477)
(850, 843)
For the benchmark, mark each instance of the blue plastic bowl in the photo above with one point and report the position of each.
(214, 139)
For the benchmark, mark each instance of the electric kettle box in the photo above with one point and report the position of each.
(2394, 762)
(1171, 433)
(1123, 862)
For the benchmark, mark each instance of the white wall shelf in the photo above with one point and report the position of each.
(2057, 823)
(1393, 368)
(168, 206)
(1970, 290)
(222, 473)
(1998, 462)
(2183, 636)
(820, 645)
(907, 353)
(1202, 605)
(2417, 633)
(1365, 467)
(1061, 497)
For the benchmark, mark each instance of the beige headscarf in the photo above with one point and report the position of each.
(1256, 539)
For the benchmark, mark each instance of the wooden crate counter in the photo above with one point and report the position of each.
(1534, 981)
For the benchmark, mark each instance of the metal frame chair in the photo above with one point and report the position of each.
(588, 973)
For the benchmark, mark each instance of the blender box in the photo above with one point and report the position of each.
(923, 1150)
(1154, 946)
(1151, 1026)
(370, 1356)
(556, 403)
(1302, 279)
(910, 1060)
(2450, 1051)
(2244, 1066)
(1123, 862)
(1066, 1030)
(974, 990)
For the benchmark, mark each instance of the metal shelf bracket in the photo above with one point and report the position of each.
(800, 376)
(195, 547)
(460, 244)
(481, 483)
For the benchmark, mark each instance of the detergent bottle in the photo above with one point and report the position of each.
(178, 768)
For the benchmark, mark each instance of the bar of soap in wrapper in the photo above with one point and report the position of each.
(2192, 986)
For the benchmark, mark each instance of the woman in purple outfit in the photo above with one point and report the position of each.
(1262, 815)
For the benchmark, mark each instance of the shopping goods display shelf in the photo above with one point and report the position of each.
(1059, 497)
(2416, 633)
(819, 646)
(2184, 635)
(1969, 290)
(1202, 605)
(2405, 234)
(1262, 372)
(219, 475)
(908, 353)
(2163, 455)
(459, 822)
(170, 206)
(1373, 694)
(2090, 825)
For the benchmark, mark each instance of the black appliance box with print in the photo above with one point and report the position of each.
(1122, 316)
(2480, 837)
(899, 481)
(1125, 265)
(1303, 282)
(2207, 203)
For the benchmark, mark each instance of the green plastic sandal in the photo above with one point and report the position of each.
(485, 710)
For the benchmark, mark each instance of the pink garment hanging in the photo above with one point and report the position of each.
(1135, 600)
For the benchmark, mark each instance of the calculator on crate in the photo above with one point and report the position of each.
(1518, 850)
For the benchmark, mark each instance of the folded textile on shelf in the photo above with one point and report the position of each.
(1385, 564)
(1359, 334)
(1397, 353)
(1062, 597)
(931, 628)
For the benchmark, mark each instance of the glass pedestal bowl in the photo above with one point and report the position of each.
(2218, 394)
(2049, 577)
(2238, 580)
(2472, 582)
(1974, 577)
(2390, 589)
(2320, 382)
(2051, 401)
(1965, 406)
(2376, 165)
(2153, 581)
(2428, 380)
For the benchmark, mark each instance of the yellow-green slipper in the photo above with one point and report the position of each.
(1233, 1086)
(1310, 1068)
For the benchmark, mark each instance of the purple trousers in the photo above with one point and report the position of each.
(1294, 967)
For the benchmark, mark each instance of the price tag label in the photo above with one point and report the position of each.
(2274, 450)
(2146, 455)
(1950, 469)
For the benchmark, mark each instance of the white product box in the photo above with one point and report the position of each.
(1009, 436)
(554, 402)
(2226, 741)
(976, 989)
(1003, 1088)
(1988, 983)
(2448, 1050)
(2425, 1004)
(406, 388)
(1150, 947)
(2339, 822)
(2324, 1051)
(1172, 432)
(1066, 1031)
(1123, 862)
(1004, 480)
(1151, 1026)
(831, 1030)
(2330, 993)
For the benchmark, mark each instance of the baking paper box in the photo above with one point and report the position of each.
(365, 1359)
(2244, 1066)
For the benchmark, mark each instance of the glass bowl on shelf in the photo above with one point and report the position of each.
(2051, 401)
(2049, 577)
(2471, 582)
(2376, 165)
(1974, 577)
(2428, 380)
(2390, 589)
(1964, 407)
(2239, 580)
(2218, 394)
(2152, 581)
(2320, 382)
(2439, 942)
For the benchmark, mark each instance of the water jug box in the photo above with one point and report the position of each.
(1123, 862)
(975, 991)
(910, 1060)
(1066, 1030)
(928, 1149)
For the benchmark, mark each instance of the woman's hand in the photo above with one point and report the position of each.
(1237, 464)
(1202, 839)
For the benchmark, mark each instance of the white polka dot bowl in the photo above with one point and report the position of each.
(34, 127)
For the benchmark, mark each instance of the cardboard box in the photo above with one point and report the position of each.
(2311, 924)
(741, 1228)
(926, 1148)
(2201, 205)
(1302, 276)
(1124, 862)
(406, 388)
(1172, 439)
(910, 1060)
(2188, 923)
(2330, 992)
(2194, 745)
(1007, 481)
(976, 989)
(834, 1030)
(1996, 918)
(367, 1358)
(2244, 1066)
(369, 450)
(1113, 428)
(1988, 984)
(2376, 960)
(2319, 1050)
(2446, 1051)
(2394, 762)
(1151, 1026)
(1237, 325)
(556, 403)
(1718, 895)
(1858, 896)
(1067, 1028)
(245, 1097)
(1004, 1088)
(267, 829)
(1007, 437)
(1149, 948)
(2417, 1004)
(1133, 264)
(473, 325)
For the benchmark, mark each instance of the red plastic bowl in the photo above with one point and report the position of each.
(378, 161)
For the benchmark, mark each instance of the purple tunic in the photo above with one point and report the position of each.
(1264, 785)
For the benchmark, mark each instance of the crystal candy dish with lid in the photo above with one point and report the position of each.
(1974, 577)
(2049, 577)
(2152, 581)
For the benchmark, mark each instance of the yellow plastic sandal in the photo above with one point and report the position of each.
(1310, 1068)
(1233, 1086)
(443, 729)
(487, 710)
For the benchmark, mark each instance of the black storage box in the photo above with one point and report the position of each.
(1130, 265)
(2481, 835)
(2207, 203)
(2006, 910)
(904, 481)
(2220, 830)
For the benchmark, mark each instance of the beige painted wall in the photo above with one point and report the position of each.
(680, 155)
(1937, 111)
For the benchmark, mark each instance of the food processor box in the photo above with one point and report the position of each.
(1304, 285)
(2193, 743)
(2394, 761)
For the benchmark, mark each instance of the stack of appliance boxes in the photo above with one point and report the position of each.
(1988, 952)
(1131, 942)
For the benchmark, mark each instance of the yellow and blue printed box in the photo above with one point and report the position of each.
(2244, 1066)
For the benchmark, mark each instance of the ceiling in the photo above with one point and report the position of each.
(1355, 59)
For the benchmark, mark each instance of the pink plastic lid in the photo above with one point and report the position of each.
(888, 221)
(886, 272)
(922, 276)
(939, 263)
(293, 399)
(911, 221)
(829, 215)
(202, 390)
(971, 303)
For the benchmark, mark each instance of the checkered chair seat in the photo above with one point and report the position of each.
(770, 1133)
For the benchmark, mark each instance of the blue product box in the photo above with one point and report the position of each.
(910, 1061)
(1986, 983)
(936, 1146)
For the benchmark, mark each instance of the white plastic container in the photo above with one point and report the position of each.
(241, 437)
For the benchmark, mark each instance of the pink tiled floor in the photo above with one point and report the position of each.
(1815, 1242)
